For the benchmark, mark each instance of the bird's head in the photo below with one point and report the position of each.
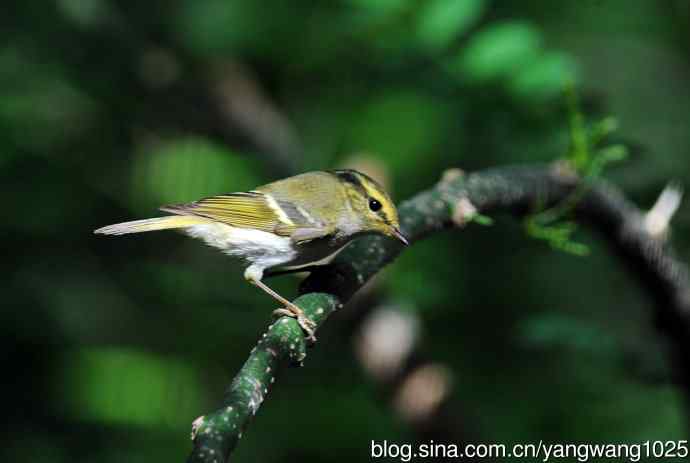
(373, 209)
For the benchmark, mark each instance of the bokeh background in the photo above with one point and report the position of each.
(109, 109)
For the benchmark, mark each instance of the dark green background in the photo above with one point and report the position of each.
(109, 109)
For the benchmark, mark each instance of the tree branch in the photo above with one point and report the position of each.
(510, 189)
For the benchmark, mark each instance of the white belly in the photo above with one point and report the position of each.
(256, 247)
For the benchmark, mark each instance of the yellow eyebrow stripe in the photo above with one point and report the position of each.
(371, 191)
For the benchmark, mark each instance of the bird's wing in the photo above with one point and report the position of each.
(254, 209)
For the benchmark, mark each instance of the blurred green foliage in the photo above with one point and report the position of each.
(499, 50)
(585, 159)
(188, 168)
(109, 109)
(129, 388)
(440, 22)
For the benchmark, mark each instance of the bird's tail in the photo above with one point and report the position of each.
(158, 223)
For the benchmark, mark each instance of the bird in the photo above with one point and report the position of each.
(294, 223)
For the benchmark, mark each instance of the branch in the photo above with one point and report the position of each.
(510, 189)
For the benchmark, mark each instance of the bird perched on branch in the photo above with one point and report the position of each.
(294, 223)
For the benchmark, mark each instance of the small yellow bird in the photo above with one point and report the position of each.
(294, 223)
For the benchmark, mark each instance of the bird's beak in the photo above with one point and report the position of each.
(397, 234)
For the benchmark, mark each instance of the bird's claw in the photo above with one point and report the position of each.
(307, 325)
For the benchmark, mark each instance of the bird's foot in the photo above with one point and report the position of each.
(304, 322)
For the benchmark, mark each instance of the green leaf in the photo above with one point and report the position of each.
(441, 21)
(557, 234)
(497, 51)
(543, 78)
(602, 129)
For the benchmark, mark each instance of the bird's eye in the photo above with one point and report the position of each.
(374, 205)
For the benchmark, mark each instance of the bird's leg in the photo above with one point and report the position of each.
(290, 309)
